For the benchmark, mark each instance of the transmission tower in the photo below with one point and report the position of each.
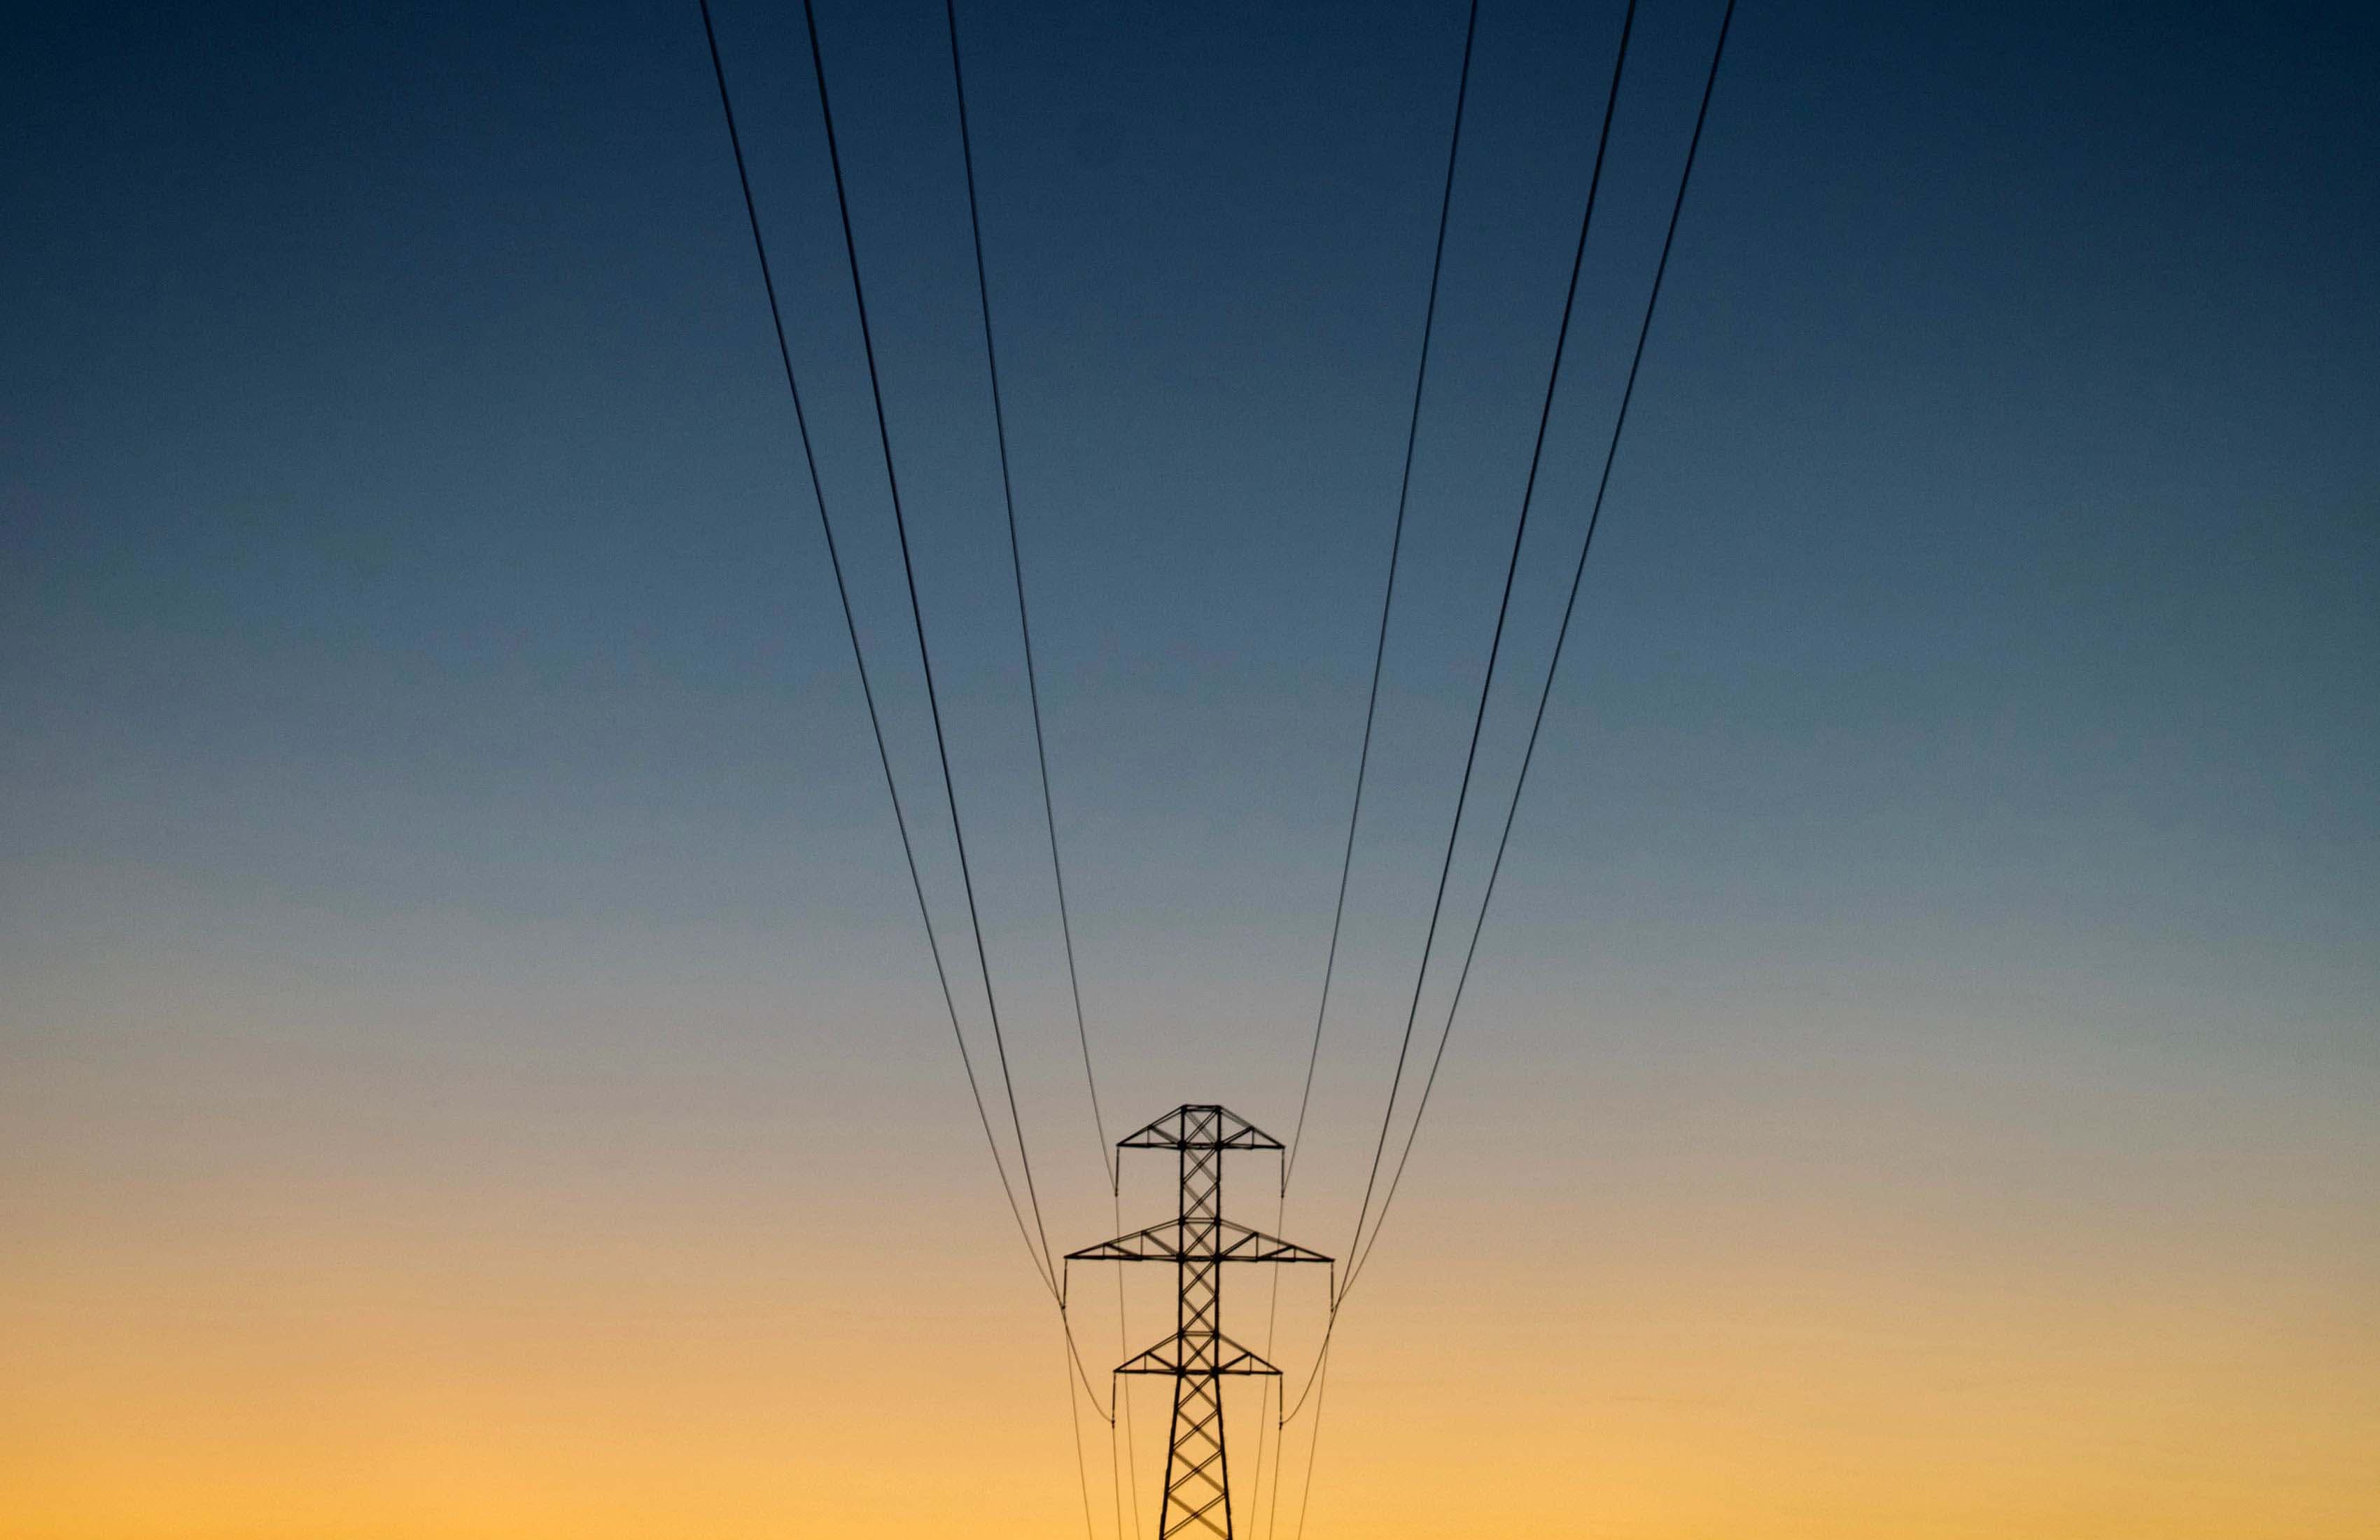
(1197, 1356)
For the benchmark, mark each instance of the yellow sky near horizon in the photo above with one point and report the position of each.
(1774, 1316)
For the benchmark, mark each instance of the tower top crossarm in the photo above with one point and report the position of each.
(1196, 1125)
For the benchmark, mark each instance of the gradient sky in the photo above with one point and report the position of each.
(468, 1061)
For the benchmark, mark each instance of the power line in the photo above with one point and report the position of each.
(1319, 1373)
(1115, 1476)
(858, 658)
(876, 728)
(917, 619)
(1122, 1390)
(1570, 606)
(1362, 1247)
(1389, 593)
(1075, 1416)
(1371, 703)
(1503, 611)
(1279, 1464)
(1313, 1444)
(785, 355)
(1255, 1486)
(1109, 1163)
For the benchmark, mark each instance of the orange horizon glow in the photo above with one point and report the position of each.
(612, 1334)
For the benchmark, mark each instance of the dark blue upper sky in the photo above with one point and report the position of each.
(401, 505)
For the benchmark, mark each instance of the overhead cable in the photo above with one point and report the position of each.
(1570, 607)
(1110, 1164)
(1372, 699)
(858, 657)
(1109, 1161)
(1611, 449)
(1389, 590)
(1503, 611)
(918, 620)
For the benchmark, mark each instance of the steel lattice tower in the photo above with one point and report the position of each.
(1197, 1356)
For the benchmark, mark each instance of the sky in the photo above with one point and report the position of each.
(469, 1060)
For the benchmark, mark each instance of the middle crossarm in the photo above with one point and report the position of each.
(1200, 1241)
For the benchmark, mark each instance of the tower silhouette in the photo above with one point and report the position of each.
(1197, 1356)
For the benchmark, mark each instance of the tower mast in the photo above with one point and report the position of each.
(1196, 1357)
